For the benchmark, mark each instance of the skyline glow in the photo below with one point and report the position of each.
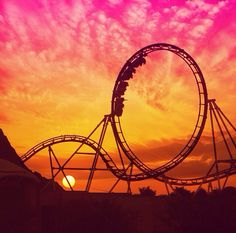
(60, 60)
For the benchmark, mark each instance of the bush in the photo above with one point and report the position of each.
(182, 192)
(147, 191)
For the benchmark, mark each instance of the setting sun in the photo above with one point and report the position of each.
(68, 181)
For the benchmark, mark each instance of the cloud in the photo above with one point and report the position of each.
(190, 169)
(201, 28)
(136, 13)
(193, 20)
(157, 153)
(165, 150)
(209, 8)
(115, 2)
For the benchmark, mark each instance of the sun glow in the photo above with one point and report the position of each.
(60, 62)
(68, 181)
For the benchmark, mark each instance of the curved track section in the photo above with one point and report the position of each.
(126, 74)
(119, 173)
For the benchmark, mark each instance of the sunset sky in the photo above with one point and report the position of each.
(60, 59)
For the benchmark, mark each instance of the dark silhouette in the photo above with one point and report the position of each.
(19, 199)
(181, 192)
(147, 191)
(7, 152)
(81, 212)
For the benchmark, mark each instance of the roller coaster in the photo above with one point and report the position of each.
(135, 169)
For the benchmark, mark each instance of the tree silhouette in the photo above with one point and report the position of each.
(147, 191)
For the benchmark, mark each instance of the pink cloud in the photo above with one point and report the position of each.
(115, 2)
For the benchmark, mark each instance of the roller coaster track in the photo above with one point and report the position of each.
(110, 164)
(132, 64)
(142, 171)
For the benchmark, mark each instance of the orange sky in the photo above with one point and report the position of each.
(59, 62)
